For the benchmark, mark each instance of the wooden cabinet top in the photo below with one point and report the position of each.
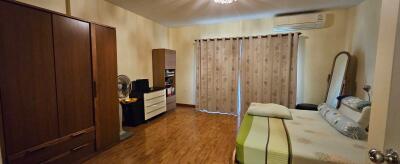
(164, 59)
(163, 51)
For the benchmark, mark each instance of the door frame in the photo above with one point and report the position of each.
(386, 93)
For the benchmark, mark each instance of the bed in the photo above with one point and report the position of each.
(306, 139)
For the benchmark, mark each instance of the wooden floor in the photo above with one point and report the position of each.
(179, 136)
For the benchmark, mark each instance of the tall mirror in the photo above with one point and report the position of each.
(337, 78)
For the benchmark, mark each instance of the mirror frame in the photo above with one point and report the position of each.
(344, 77)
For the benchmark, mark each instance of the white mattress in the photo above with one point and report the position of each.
(313, 140)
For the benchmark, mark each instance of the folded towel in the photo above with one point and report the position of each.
(269, 110)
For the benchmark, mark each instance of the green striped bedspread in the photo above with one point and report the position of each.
(263, 140)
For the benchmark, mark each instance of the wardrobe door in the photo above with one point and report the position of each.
(27, 77)
(2, 145)
(73, 74)
(105, 74)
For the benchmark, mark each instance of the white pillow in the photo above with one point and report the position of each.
(269, 110)
(362, 118)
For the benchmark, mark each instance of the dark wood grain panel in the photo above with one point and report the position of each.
(27, 77)
(74, 74)
(2, 144)
(104, 52)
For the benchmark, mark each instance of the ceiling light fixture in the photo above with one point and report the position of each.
(224, 1)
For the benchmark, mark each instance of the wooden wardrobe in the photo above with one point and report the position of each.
(58, 98)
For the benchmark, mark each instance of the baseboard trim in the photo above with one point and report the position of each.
(186, 105)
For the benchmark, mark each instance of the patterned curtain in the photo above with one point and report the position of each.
(268, 70)
(217, 74)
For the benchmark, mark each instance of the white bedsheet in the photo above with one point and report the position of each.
(313, 140)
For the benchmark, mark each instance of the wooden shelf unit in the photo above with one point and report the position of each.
(164, 74)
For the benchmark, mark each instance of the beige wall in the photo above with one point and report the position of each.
(320, 49)
(363, 24)
(136, 35)
(54, 5)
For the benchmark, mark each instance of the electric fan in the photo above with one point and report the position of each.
(124, 88)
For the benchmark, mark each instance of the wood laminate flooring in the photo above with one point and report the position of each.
(183, 135)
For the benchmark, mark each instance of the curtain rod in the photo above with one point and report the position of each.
(248, 37)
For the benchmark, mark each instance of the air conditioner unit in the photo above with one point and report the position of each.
(299, 22)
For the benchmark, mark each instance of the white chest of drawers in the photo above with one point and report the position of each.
(154, 104)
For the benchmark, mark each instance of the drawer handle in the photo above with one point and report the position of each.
(155, 110)
(37, 149)
(154, 97)
(156, 104)
(78, 134)
(80, 147)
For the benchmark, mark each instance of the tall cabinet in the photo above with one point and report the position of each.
(104, 54)
(73, 69)
(164, 73)
(49, 100)
(27, 78)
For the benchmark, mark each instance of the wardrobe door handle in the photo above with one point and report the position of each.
(78, 134)
(94, 89)
(37, 149)
(80, 147)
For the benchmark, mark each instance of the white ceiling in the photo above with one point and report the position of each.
(188, 12)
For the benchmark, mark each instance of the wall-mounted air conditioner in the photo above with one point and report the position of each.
(299, 22)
